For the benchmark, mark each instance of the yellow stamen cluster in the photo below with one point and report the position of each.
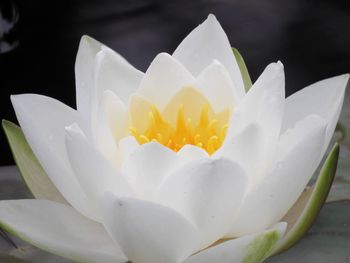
(207, 133)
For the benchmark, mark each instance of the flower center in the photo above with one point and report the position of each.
(208, 133)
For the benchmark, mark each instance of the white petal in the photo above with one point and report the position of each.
(206, 43)
(189, 153)
(113, 72)
(94, 173)
(59, 229)
(115, 112)
(148, 232)
(215, 83)
(247, 148)
(297, 158)
(139, 109)
(109, 125)
(146, 166)
(163, 79)
(246, 249)
(43, 120)
(126, 146)
(324, 98)
(191, 100)
(208, 192)
(84, 68)
(264, 105)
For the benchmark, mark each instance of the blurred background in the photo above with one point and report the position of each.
(39, 39)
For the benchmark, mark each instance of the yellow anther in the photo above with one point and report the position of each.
(207, 133)
(211, 126)
(197, 138)
(143, 139)
(199, 144)
(159, 137)
(212, 144)
(156, 115)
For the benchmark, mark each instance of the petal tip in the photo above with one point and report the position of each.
(212, 18)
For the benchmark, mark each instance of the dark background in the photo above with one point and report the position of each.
(37, 52)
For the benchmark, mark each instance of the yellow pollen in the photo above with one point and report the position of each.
(208, 133)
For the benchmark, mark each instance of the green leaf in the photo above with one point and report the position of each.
(243, 68)
(302, 215)
(32, 173)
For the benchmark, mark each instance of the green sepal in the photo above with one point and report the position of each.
(305, 211)
(258, 250)
(31, 171)
(243, 68)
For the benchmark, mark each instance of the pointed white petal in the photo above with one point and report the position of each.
(208, 192)
(216, 85)
(263, 105)
(247, 148)
(148, 232)
(146, 166)
(94, 173)
(59, 229)
(113, 72)
(163, 79)
(84, 68)
(324, 98)
(43, 120)
(297, 157)
(109, 125)
(250, 248)
(206, 43)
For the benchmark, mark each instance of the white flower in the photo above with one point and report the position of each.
(158, 166)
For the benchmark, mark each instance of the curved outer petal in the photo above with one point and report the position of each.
(146, 166)
(113, 72)
(148, 232)
(247, 149)
(263, 105)
(99, 68)
(109, 126)
(95, 174)
(84, 68)
(59, 229)
(247, 249)
(163, 79)
(31, 171)
(298, 156)
(43, 120)
(216, 85)
(208, 192)
(324, 98)
(204, 44)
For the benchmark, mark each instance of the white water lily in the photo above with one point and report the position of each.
(156, 167)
